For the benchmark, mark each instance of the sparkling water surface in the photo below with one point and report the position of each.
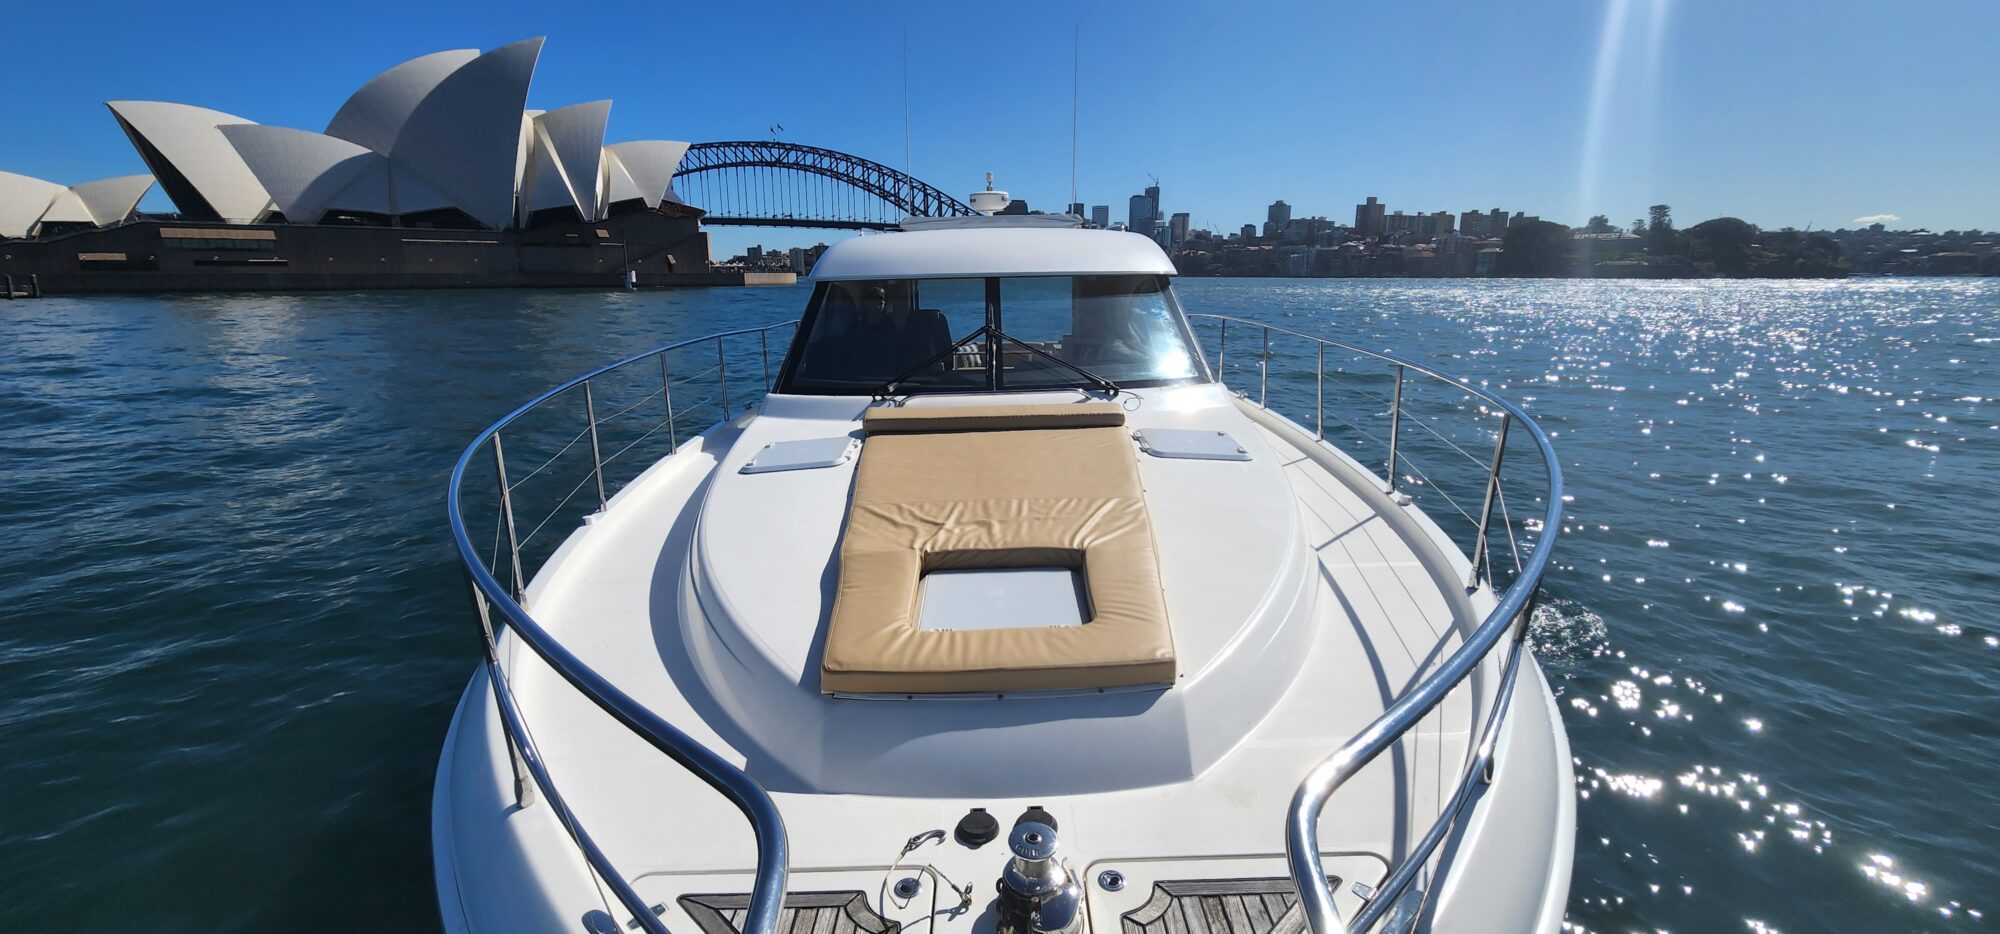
(235, 628)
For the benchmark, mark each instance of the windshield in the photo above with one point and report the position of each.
(859, 335)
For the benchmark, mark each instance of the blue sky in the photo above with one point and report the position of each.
(1782, 113)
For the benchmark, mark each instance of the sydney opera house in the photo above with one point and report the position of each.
(433, 174)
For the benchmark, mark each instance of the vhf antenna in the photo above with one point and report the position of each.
(1075, 72)
(907, 178)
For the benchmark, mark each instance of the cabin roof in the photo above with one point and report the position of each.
(999, 251)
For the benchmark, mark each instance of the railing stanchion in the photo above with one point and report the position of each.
(667, 387)
(1395, 424)
(722, 367)
(1222, 353)
(1264, 373)
(596, 458)
(764, 350)
(1479, 556)
(524, 790)
(1319, 406)
(507, 509)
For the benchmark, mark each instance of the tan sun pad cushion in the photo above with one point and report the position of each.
(883, 420)
(1066, 497)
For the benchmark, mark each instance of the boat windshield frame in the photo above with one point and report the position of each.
(990, 333)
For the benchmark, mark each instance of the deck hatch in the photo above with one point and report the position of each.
(808, 454)
(1190, 444)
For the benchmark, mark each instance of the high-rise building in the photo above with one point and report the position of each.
(1472, 223)
(1439, 224)
(1249, 231)
(1276, 218)
(1100, 215)
(1177, 229)
(1143, 214)
(1368, 217)
(1076, 208)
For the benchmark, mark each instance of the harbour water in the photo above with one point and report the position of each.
(235, 628)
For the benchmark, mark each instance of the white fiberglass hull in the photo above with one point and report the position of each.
(1341, 601)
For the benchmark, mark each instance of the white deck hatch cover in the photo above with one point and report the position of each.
(1190, 444)
(1000, 598)
(808, 454)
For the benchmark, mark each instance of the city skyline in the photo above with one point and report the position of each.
(1785, 114)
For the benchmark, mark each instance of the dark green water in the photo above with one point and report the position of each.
(234, 628)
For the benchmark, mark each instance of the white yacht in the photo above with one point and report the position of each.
(988, 607)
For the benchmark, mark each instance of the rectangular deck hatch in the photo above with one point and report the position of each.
(1190, 444)
(809, 454)
(1000, 598)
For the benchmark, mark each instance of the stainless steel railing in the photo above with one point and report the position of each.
(488, 595)
(1509, 619)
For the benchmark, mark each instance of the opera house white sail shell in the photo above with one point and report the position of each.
(194, 162)
(30, 205)
(565, 161)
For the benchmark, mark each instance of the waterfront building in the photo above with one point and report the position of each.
(442, 144)
(1483, 223)
(1100, 215)
(1368, 217)
(439, 141)
(442, 140)
(1177, 229)
(1276, 217)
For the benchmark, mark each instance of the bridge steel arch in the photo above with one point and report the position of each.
(776, 184)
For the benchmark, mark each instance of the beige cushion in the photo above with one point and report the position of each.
(883, 420)
(1033, 497)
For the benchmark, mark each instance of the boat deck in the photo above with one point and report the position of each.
(1386, 608)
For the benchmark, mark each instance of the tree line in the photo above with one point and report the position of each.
(1725, 247)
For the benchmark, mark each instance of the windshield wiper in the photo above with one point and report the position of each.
(994, 337)
(888, 388)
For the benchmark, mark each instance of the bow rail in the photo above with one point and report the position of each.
(493, 599)
(1508, 620)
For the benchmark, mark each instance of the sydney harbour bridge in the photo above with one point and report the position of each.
(766, 183)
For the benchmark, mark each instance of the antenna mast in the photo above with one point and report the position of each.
(906, 114)
(1075, 82)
